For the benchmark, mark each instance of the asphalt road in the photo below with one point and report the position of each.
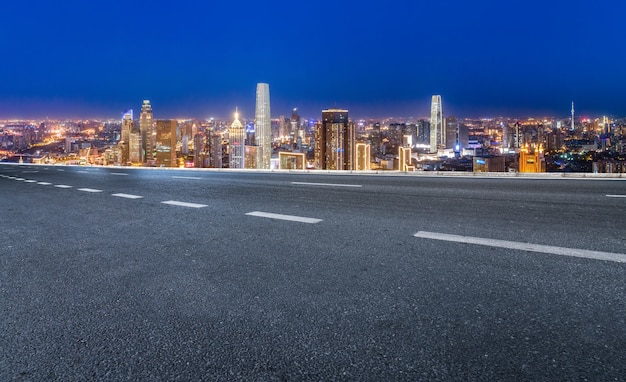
(101, 280)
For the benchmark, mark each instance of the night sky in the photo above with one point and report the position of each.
(376, 58)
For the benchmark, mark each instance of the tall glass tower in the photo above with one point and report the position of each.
(437, 125)
(148, 135)
(263, 126)
(127, 126)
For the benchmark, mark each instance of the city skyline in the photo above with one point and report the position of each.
(484, 58)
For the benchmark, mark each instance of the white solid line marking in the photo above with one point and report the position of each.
(284, 217)
(184, 204)
(62, 186)
(44, 183)
(616, 196)
(128, 196)
(89, 190)
(119, 173)
(608, 256)
(186, 177)
(327, 184)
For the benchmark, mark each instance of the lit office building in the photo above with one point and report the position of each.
(199, 153)
(335, 141)
(147, 131)
(135, 151)
(437, 125)
(363, 156)
(236, 143)
(263, 126)
(127, 125)
(166, 143)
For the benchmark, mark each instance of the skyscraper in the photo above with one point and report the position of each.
(335, 138)
(437, 124)
(236, 142)
(127, 125)
(263, 126)
(135, 152)
(147, 131)
(166, 143)
(573, 127)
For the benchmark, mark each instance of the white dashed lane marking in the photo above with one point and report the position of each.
(30, 181)
(269, 215)
(616, 196)
(184, 204)
(44, 183)
(597, 255)
(127, 196)
(186, 177)
(327, 184)
(62, 186)
(119, 173)
(89, 190)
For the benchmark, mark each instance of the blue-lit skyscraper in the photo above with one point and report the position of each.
(263, 126)
(437, 125)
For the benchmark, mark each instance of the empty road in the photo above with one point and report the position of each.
(144, 274)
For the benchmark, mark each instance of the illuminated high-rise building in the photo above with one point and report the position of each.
(166, 143)
(335, 142)
(236, 143)
(263, 126)
(451, 129)
(363, 160)
(199, 152)
(573, 128)
(295, 122)
(135, 151)
(148, 135)
(437, 125)
(127, 125)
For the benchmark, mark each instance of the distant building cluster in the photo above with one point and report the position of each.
(331, 141)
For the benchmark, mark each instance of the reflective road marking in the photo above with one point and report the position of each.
(128, 196)
(44, 183)
(62, 186)
(89, 190)
(184, 204)
(616, 196)
(186, 177)
(608, 256)
(326, 184)
(292, 218)
(119, 173)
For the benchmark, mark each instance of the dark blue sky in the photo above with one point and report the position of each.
(377, 58)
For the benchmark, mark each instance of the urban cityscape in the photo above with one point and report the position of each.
(330, 141)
